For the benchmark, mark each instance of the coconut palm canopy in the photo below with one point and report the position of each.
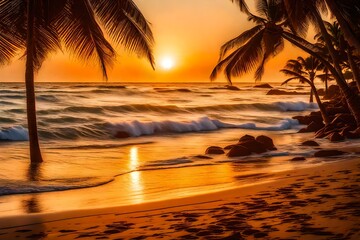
(76, 25)
(255, 46)
(40, 27)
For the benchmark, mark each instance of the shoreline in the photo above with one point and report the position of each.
(25, 225)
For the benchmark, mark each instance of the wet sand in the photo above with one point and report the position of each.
(321, 202)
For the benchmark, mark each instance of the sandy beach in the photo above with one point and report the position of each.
(314, 203)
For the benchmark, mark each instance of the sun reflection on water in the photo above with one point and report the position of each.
(136, 183)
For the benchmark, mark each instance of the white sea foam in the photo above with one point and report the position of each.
(137, 128)
(17, 133)
(8, 187)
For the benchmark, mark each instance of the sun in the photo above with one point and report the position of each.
(167, 63)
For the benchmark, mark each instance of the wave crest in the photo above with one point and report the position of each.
(17, 133)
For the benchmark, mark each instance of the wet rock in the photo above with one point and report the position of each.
(246, 138)
(202, 157)
(321, 133)
(254, 146)
(214, 150)
(344, 118)
(335, 137)
(298, 159)
(315, 117)
(229, 147)
(328, 153)
(122, 134)
(304, 120)
(282, 92)
(333, 91)
(321, 92)
(233, 88)
(354, 134)
(265, 85)
(238, 151)
(310, 143)
(267, 142)
(313, 127)
(336, 110)
(183, 90)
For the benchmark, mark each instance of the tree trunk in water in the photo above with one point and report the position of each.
(323, 112)
(352, 99)
(35, 153)
(312, 92)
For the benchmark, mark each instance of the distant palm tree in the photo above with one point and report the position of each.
(43, 26)
(305, 70)
(325, 77)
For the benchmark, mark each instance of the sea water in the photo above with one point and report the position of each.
(87, 165)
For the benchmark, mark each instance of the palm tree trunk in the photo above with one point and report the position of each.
(323, 112)
(35, 153)
(326, 82)
(352, 99)
(354, 68)
(346, 29)
(312, 92)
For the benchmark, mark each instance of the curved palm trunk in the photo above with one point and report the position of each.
(35, 154)
(326, 82)
(355, 69)
(312, 91)
(323, 112)
(352, 99)
(346, 29)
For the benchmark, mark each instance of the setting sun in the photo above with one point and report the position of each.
(167, 63)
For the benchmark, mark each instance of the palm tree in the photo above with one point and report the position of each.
(305, 70)
(344, 51)
(300, 14)
(325, 77)
(43, 26)
(347, 14)
(278, 20)
(308, 68)
(255, 46)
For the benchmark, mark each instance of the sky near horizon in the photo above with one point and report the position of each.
(188, 37)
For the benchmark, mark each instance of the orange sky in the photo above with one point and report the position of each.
(189, 31)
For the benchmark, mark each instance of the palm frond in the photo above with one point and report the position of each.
(83, 36)
(325, 77)
(221, 64)
(242, 5)
(313, 47)
(273, 44)
(10, 43)
(256, 19)
(239, 40)
(46, 41)
(126, 25)
(262, 7)
(247, 57)
(297, 16)
(295, 75)
(288, 80)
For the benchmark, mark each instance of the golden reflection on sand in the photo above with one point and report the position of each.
(136, 183)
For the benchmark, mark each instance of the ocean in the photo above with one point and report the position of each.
(88, 163)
